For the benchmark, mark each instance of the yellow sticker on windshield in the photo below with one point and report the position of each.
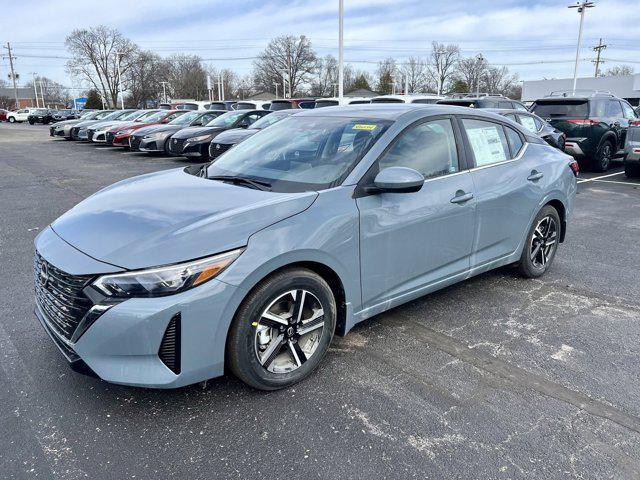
(364, 126)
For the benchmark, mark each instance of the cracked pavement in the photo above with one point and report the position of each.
(496, 377)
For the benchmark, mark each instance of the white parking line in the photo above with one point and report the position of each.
(633, 184)
(598, 178)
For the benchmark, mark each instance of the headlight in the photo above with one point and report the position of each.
(201, 138)
(156, 135)
(168, 280)
(123, 132)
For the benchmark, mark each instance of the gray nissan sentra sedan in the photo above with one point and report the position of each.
(314, 224)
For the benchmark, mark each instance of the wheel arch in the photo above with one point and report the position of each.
(562, 212)
(610, 135)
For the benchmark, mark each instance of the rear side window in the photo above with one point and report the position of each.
(519, 106)
(505, 105)
(487, 140)
(529, 123)
(571, 109)
(429, 148)
(614, 109)
(515, 142)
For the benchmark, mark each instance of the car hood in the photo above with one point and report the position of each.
(189, 132)
(157, 129)
(87, 123)
(105, 124)
(67, 122)
(236, 135)
(170, 217)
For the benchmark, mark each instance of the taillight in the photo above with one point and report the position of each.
(575, 168)
(635, 123)
(585, 122)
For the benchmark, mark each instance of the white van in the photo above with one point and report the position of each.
(253, 105)
(413, 98)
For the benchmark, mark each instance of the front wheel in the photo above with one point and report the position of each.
(603, 157)
(12, 120)
(282, 330)
(542, 243)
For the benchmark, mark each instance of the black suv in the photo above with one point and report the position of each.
(485, 101)
(595, 124)
(41, 115)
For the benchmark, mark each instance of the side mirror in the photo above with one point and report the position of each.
(397, 180)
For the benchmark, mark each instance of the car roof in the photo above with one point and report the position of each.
(502, 111)
(392, 111)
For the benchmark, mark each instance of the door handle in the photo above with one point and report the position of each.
(461, 197)
(535, 176)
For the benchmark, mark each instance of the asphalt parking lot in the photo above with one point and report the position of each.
(496, 377)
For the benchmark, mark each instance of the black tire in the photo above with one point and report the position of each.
(31, 122)
(632, 171)
(12, 120)
(242, 342)
(537, 266)
(602, 159)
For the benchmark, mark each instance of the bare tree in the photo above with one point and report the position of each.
(471, 70)
(186, 77)
(230, 81)
(289, 57)
(499, 80)
(619, 71)
(95, 58)
(325, 78)
(52, 92)
(144, 78)
(442, 62)
(416, 72)
(386, 75)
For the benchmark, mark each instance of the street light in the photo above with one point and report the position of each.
(35, 89)
(480, 59)
(340, 51)
(582, 7)
(118, 54)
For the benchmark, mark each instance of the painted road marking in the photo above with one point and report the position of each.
(598, 178)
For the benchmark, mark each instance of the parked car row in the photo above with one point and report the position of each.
(38, 115)
(315, 221)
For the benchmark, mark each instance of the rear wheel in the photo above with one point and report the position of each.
(632, 171)
(282, 330)
(542, 243)
(603, 157)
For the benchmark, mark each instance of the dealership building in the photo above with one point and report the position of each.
(627, 87)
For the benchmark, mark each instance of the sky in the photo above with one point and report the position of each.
(535, 38)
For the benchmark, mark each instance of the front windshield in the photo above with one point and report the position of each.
(132, 115)
(270, 119)
(104, 115)
(88, 115)
(147, 114)
(40, 111)
(185, 119)
(155, 117)
(226, 119)
(301, 154)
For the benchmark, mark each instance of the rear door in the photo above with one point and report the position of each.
(507, 185)
(629, 118)
(411, 240)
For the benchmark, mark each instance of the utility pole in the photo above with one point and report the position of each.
(582, 7)
(13, 75)
(284, 85)
(276, 85)
(340, 51)
(221, 85)
(480, 59)
(35, 89)
(598, 48)
(118, 55)
(406, 84)
(164, 91)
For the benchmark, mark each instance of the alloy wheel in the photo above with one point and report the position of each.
(605, 156)
(289, 330)
(543, 242)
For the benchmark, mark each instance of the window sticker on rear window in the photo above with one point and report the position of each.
(363, 126)
(486, 144)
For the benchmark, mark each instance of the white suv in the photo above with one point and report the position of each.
(20, 115)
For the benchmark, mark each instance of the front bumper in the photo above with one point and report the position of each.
(196, 150)
(151, 145)
(123, 345)
(121, 141)
(632, 151)
(99, 136)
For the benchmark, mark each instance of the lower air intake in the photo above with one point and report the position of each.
(169, 351)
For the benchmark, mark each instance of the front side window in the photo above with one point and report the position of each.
(519, 106)
(301, 154)
(487, 140)
(614, 109)
(429, 148)
(628, 111)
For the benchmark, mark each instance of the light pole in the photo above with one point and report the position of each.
(118, 54)
(164, 91)
(582, 7)
(35, 89)
(276, 85)
(480, 59)
(340, 51)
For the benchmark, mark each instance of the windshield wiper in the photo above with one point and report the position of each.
(257, 184)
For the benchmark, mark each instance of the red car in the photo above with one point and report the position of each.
(3, 115)
(119, 135)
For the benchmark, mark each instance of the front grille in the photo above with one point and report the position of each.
(169, 351)
(134, 142)
(90, 134)
(217, 149)
(60, 297)
(176, 145)
(74, 132)
(110, 136)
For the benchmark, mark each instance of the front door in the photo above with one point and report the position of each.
(411, 240)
